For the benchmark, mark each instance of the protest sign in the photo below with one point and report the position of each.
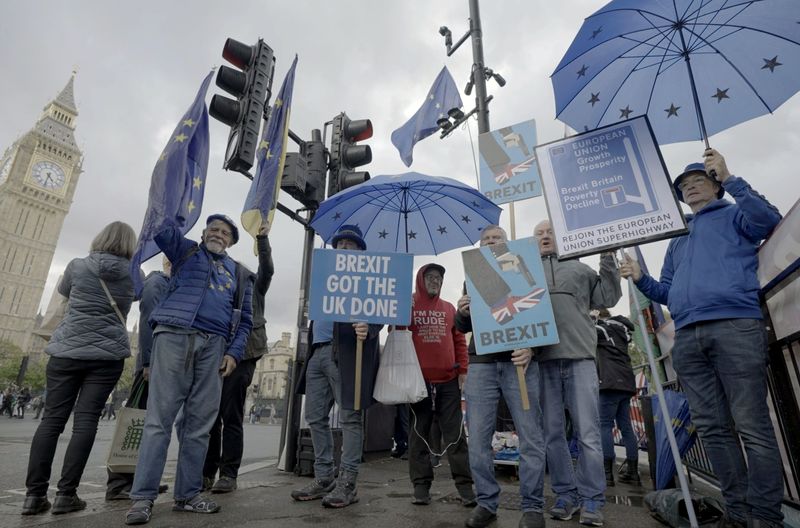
(509, 302)
(608, 188)
(361, 286)
(508, 163)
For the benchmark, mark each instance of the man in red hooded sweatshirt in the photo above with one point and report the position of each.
(442, 353)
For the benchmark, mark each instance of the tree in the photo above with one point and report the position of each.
(11, 358)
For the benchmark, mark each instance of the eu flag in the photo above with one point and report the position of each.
(262, 199)
(442, 96)
(178, 182)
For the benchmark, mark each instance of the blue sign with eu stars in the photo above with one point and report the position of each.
(509, 304)
(361, 286)
(508, 163)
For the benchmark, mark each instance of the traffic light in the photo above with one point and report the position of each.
(251, 85)
(304, 172)
(346, 155)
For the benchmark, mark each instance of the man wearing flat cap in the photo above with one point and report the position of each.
(200, 330)
(328, 376)
(709, 282)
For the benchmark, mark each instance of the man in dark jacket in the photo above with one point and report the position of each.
(491, 375)
(200, 330)
(617, 386)
(569, 378)
(327, 377)
(442, 353)
(709, 282)
(226, 443)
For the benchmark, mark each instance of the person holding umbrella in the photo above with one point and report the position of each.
(709, 282)
(327, 377)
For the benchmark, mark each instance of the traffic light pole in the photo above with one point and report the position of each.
(478, 68)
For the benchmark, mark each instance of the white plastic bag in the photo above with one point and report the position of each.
(399, 376)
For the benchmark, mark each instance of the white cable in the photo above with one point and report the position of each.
(460, 434)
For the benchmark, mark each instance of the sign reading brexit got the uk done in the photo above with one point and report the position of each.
(361, 286)
(608, 188)
(509, 302)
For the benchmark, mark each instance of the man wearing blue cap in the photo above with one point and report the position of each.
(328, 376)
(200, 330)
(709, 282)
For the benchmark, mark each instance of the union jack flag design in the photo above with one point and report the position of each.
(505, 311)
(511, 170)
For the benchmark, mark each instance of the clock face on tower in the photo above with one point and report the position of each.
(48, 174)
(5, 168)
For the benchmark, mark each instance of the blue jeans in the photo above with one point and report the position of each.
(572, 384)
(616, 406)
(323, 388)
(486, 382)
(722, 367)
(184, 373)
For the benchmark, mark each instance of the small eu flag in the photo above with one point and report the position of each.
(442, 96)
(262, 199)
(178, 182)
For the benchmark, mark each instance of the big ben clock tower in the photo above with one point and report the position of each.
(38, 176)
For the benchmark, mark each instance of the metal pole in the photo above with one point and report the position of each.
(700, 119)
(291, 426)
(673, 444)
(478, 68)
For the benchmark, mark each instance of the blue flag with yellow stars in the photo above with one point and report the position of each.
(442, 96)
(178, 182)
(263, 196)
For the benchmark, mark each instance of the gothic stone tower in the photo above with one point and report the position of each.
(38, 176)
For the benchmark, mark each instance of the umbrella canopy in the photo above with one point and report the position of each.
(695, 67)
(685, 434)
(410, 212)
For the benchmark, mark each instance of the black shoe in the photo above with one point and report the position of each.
(224, 485)
(35, 505)
(124, 494)
(316, 489)
(422, 495)
(480, 518)
(344, 493)
(630, 473)
(163, 488)
(608, 467)
(532, 520)
(468, 499)
(67, 504)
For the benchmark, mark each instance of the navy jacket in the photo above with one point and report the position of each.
(191, 272)
(155, 287)
(614, 371)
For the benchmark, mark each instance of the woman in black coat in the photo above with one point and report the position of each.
(87, 355)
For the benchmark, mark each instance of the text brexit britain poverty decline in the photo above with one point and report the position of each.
(361, 286)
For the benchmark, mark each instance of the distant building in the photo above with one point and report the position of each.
(38, 176)
(271, 378)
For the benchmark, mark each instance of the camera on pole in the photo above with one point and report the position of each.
(346, 155)
(251, 85)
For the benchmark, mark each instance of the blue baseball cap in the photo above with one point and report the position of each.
(227, 220)
(349, 232)
(695, 168)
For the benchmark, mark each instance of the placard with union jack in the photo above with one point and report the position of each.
(508, 163)
(509, 301)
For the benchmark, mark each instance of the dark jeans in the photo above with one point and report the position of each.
(84, 385)
(616, 406)
(226, 444)
(445, 403)
(401, 428)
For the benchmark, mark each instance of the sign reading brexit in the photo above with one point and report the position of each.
(508, 163)
(608, 188)
(509, 303)
(361, 286)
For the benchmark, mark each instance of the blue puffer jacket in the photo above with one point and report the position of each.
(188, 285)
(710, 273)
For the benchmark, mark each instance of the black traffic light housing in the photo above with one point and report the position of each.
(346, 155)
(251, 85)
(304, 172)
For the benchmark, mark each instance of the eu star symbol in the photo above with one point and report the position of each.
(771, 64)
(268, 155)
(721, 94)
(337, 216)
(264, 144)
(190, 205)
(197, 182)
(582, 71)
(672, 110)
(442, 230)
(382, 234)
(476, 204)
(595, 98)
(180, 138)
(596, 32)
(188, 122)
(465, 219)
(411, 235)
(278, 103)
(625, 112)
(163, 156)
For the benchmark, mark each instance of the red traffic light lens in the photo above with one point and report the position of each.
(358, 130)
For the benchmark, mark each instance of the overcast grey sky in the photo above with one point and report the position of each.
(140, 64)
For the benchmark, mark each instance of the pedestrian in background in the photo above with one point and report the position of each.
(87, 355)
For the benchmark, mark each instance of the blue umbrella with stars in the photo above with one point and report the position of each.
(410, 213)
(695, 67)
